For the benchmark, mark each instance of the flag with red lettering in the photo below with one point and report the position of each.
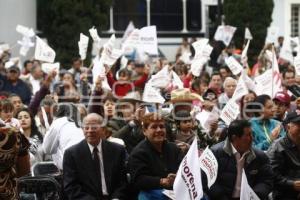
(188, 183)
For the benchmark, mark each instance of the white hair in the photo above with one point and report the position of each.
(229, 79)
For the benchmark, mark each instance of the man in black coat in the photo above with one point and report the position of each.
(94, 168)
(285, 160)
(235, 154)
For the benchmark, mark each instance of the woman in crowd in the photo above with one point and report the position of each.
(245, 105)
(14, 159)
(67, 91)
(265, 129)
(154, 162)
(30, 131)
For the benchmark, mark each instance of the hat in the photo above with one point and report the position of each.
(293, 116)
(282, 97)
(134, 97)
(14, 68)
(184, 94)
(210, 94)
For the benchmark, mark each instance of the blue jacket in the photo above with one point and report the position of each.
(261, 130)
(21, 89)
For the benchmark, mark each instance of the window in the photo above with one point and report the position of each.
(129, 10)
(166, 14)
(295, 20)
(193, 13)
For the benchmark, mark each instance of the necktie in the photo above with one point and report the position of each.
(238, 181)
(97, 165)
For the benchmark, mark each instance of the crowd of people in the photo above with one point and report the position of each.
(110, 142)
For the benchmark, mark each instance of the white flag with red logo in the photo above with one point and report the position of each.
(246, 191)
(276, 78)
(188, 183)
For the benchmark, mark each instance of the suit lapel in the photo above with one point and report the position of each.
(87, 161)
(107, 164)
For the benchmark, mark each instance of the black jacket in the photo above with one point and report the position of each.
(147, 166)
(285, 161)
(257, 168)
(80, 181)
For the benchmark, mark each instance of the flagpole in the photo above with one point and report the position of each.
(273, 52)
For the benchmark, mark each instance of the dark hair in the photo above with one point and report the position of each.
(236, 127)
(14, 95)
(287, 71)
(68, 110)
(149, 118)
(260, 102)
(6, 105)
(26, 62)
(262, 99)
(109, 97)
(125, 72)
(215, 73)
(75, 59)
(34, 129)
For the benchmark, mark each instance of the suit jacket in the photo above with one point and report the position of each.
(80, 180)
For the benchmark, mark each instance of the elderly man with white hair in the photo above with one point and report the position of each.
(229, 86)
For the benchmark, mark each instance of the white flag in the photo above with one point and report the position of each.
(152, 95)
(99, 71)
(43, 52)
(128, 31)
(286, 51)
(202, 55)
(110, 54)
(83, 45)
(25, 31)
(225, 34)
(148, 40)
(96, 38)
(234, 65)
(177, 81)
(244, 57)
(272, 34)
(209, 165)
(48, 67)
(246, 191)
(240, 90)
(276, 78)
(131, 42)
(230, 112)
(188, 183)
(26, 42)
(161, 79)
(248, 34)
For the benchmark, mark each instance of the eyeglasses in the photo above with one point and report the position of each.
(155, 126)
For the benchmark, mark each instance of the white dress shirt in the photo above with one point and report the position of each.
(61, 135)
(239, 165)
(103, 183)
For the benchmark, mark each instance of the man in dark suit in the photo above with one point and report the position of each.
(94, 168)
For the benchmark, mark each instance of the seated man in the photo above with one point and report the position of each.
(285, 160)
(94, 168)
(234, 154)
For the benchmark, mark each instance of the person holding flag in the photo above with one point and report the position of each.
(235, 154)
(153, 163)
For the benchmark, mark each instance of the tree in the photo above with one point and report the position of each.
(254, 14)
(62, 21)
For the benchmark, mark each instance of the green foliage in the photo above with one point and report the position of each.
(62, 21)
(254, 14)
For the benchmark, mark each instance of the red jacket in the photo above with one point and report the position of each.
(121, 89)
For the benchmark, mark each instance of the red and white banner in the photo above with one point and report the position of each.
(188, 183)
